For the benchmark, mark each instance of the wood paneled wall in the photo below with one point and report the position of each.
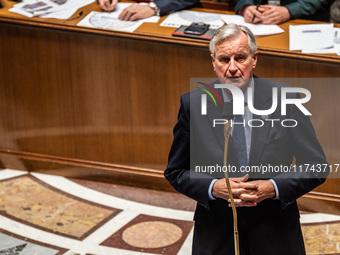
(91, 105)
(89, 97)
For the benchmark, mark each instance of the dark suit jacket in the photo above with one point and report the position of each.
(298, 9)
(272, 227)
(169, 6)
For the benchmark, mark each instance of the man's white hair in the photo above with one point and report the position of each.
(228, 32)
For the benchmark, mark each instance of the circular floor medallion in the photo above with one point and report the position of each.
(152, 234)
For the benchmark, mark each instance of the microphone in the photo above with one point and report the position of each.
(228, 114)
(227, 111)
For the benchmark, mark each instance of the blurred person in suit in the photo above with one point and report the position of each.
(279, 11)
(268, 216)
(142, 11)
(335, 12)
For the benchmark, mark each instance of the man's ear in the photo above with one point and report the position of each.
(213, 60)
(255, 59)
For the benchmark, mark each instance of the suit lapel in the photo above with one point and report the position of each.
(215, 112)
(262, 101)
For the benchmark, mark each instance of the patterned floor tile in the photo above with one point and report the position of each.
(28, 200)
(151, 234)
(322, 238)
(51, 215)
(11, 244)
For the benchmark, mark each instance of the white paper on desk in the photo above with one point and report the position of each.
(67, 13)
(59, 9)
(63, 14)
(21, 12)
(177, 19)
(108, 21)
(333, 50)
(31, 8)
(121, 6)
(236, 19)
(263, 30)
(311, 36)
(257, 29)
(337, 35)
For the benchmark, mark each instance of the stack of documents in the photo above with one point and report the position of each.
(257, 29)
(217, 20)
(58, 9)
(110, 21)
(315, 38)
(185, 18)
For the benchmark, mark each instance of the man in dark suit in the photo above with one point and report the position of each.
(268, 217)
(155, 7)
(279, 11)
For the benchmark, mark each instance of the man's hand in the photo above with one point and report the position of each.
(135, 12)
(266, 14)
(244, 192)
(272, 15)
(251, 14)
(108, 5)
(265, 189)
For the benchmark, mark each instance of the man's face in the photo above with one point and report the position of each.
(233, 62)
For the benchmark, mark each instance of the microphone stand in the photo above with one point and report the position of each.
(227, 131)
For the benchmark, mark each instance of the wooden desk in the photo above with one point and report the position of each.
(93, 103)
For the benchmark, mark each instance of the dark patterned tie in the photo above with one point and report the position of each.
(240, 140)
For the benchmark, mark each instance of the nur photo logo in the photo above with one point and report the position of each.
(204, 97)
(238, 104)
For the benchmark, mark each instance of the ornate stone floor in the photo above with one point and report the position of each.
(49, 215)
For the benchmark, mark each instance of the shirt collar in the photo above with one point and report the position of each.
(227, 97)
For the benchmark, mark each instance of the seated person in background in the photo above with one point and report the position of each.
(276, 11)
(157, 7)
(335, 12)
